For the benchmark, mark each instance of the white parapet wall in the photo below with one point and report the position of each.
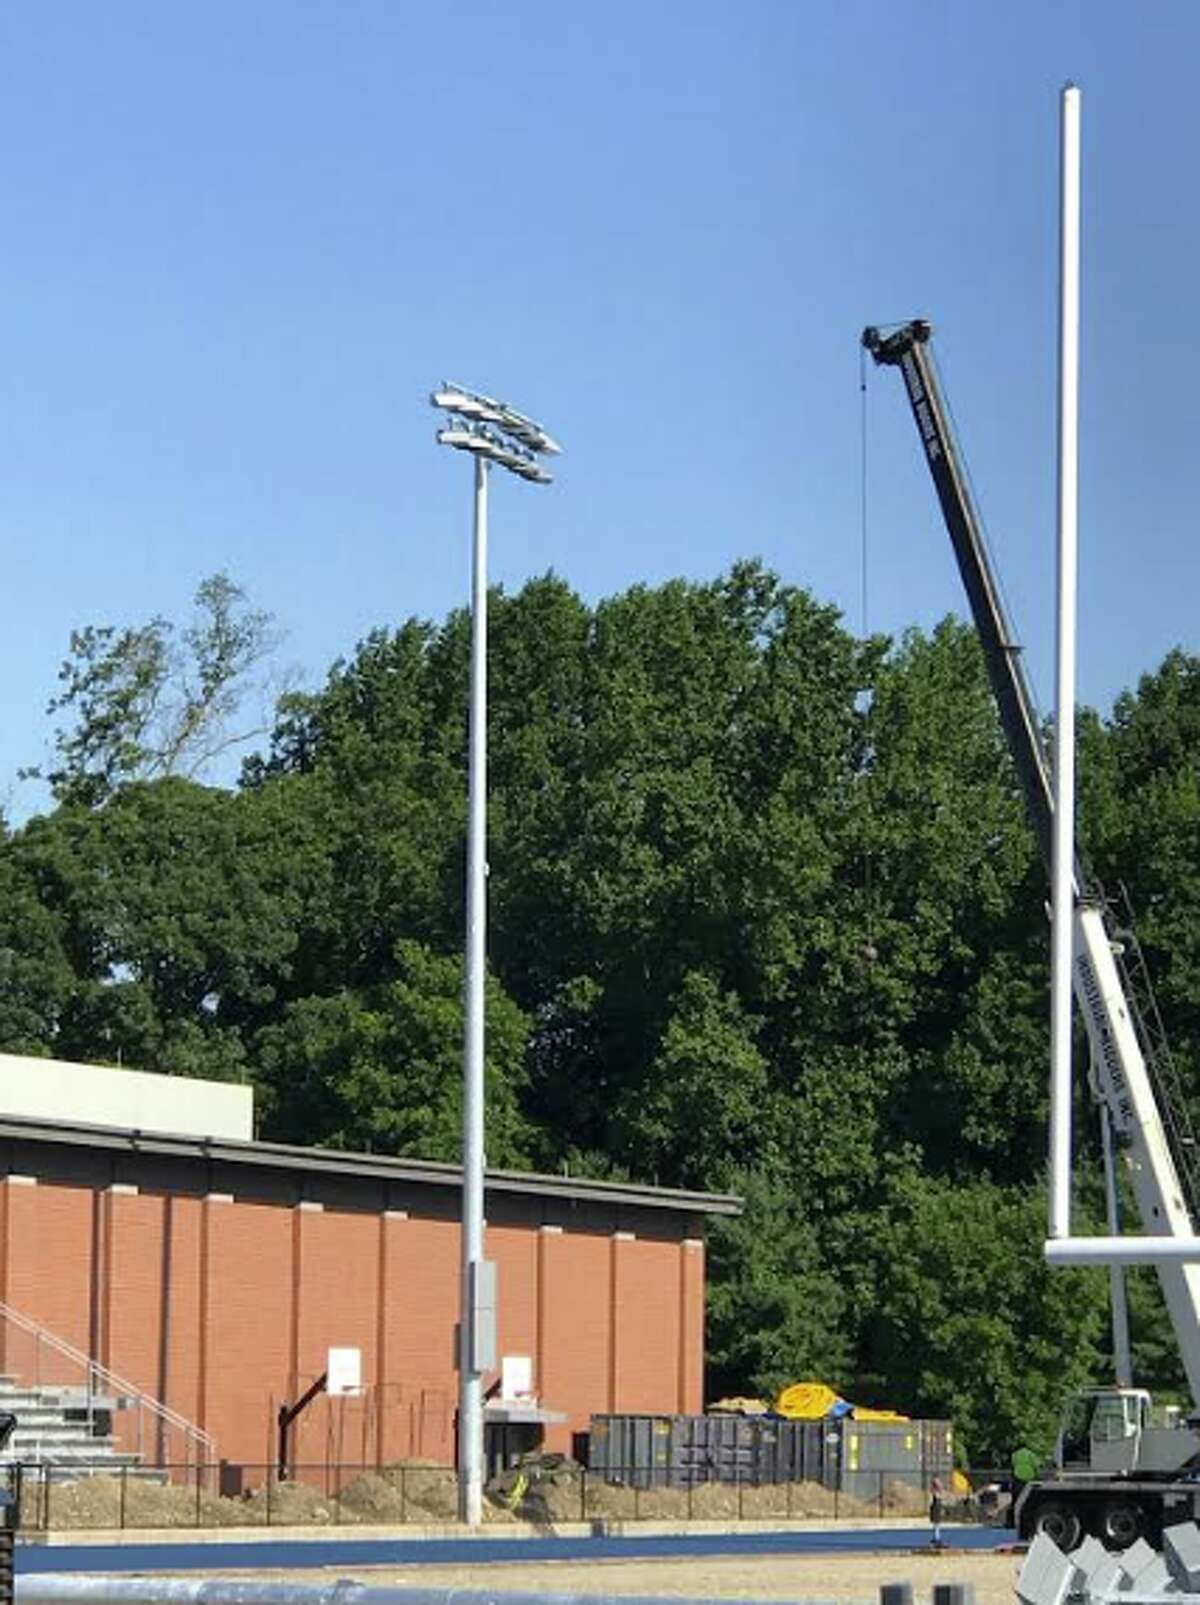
(57, 1091)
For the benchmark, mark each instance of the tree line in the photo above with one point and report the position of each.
(765, 916)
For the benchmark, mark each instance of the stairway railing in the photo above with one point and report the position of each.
(55, 1362)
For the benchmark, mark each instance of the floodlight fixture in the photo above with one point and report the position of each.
(482, 441)
(471, 404)
(465, 440)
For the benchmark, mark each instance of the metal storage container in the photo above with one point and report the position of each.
(854, 1457)
(875, 1453)
(937, 1450)
(711, 1449)
(633, 1450)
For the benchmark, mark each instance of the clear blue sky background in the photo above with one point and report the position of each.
(241, 242)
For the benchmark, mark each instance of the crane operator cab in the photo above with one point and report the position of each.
(1102, 1430)
(1115, 1431)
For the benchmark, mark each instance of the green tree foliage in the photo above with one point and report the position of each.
(37, 979)
(1149, 842)
(178, 906)
(704, 1107)
(381, 1069)
(776, 1311)
(765, 915)
(147, 702)
(969, 1322)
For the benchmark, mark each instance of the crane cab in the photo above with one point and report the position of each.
(1113, 1432)
(1102, 1430)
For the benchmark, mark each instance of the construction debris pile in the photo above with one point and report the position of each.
(1092, 1574)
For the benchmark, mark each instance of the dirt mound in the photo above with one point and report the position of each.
(113, 1502)
(399, 1494)
(594, 1500)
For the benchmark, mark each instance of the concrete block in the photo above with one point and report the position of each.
(1181, 1550)
(1107, 1580)
(1047, 1576)
(1135, 1559)
(1090, 1554)
(1148, 1573)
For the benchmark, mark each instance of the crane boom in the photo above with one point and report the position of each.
(906, 349)
(1120, 1072)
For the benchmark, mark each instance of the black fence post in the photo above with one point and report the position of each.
(124, 1496)
(10, 1520)
(7, 1594)
(954, 1594)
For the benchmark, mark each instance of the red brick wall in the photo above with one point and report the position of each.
(130, 1286)
(422, 1307)
(575, 1322)
(225, 1307)
(690, 1399)
(645, 1325)
(335, 1299)
(515, 1251)
(246, 1341)
(181, 1373)
(50, 1242)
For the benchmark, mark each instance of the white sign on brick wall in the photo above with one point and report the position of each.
(343, 1371)
(516, 1376)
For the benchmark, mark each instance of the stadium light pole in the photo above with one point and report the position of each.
(492, 432)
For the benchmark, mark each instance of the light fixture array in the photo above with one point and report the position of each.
(495, 431)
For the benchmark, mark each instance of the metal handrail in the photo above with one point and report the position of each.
(98, 1378)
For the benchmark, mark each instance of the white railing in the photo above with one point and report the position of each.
(104, 1391)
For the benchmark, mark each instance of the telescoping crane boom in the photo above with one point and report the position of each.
(1116, 1475)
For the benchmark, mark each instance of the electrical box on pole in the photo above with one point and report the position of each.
(481, 1335)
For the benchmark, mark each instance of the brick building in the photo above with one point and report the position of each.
(214, 1274)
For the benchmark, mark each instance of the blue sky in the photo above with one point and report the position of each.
(242, 242)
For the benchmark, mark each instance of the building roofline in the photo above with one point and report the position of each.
(331, 1161)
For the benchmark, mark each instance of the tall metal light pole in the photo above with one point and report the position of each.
(493, 433)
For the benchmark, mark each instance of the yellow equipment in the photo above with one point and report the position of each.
(806, 1401)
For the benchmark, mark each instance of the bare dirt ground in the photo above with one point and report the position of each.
(837, 1577)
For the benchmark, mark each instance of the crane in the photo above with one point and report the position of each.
(1117, 1474)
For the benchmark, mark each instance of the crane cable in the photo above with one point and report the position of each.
(865, 695)
(863, 552)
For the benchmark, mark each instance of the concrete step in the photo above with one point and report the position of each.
(35, 1409)
(66, 1474)
(56, 1454)
(56, 1434)
(34, 1446)
(61, 1397)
